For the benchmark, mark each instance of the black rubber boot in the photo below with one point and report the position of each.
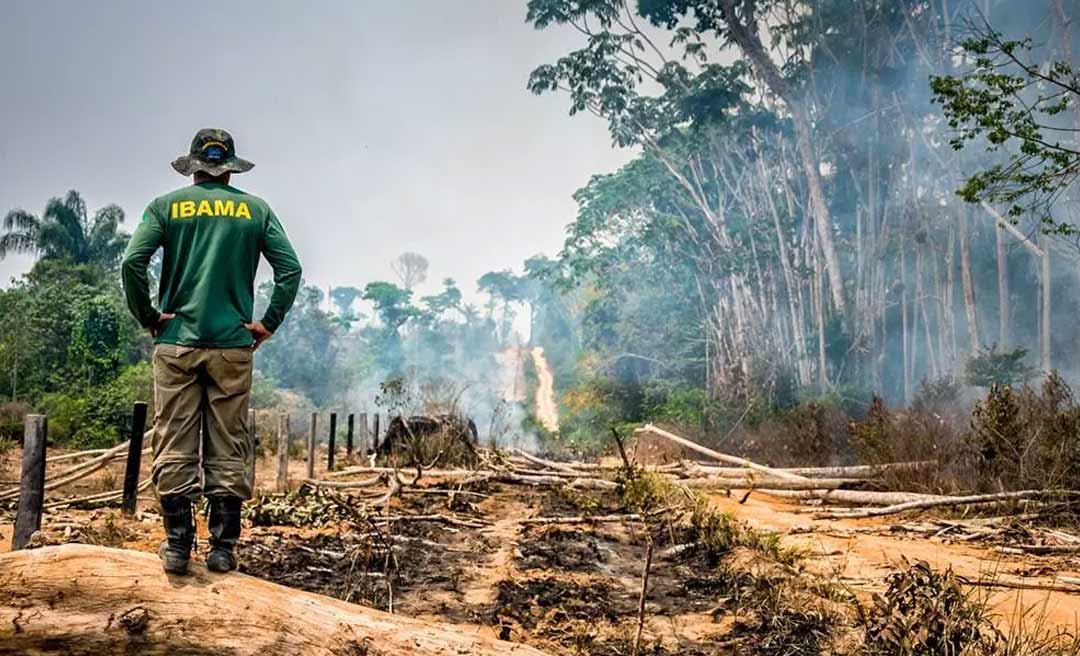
(224, 533)
(179, 520)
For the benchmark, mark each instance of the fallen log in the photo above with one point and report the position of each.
(541, 481)
(81, 599)
(859, 497)
(77, 472)
(347, 485)
(850, 471)
(1040, 549)
(766, 485)
(101, 497)
(428, 473)
(90, 453)
(925, 504)
(716, 455)
(551, 464)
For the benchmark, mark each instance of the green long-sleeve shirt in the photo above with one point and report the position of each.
(212, 236)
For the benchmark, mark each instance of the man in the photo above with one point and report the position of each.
(212, 235)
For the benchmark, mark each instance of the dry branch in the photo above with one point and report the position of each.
(80, 599)
(78, 472)
(858, 497)
(925, 504)
(347, 485)
(101, 497)
(580, 483)
(765, 485)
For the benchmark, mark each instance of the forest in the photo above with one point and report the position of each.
(799, 380)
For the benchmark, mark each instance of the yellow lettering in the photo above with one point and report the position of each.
(187, 208)
(204, 208)
(174, 211)
(242, 211)
(223, 207)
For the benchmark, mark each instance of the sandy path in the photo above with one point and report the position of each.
(860, 552)
(547, 410)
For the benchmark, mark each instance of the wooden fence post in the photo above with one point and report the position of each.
(32, 482)
(362, 446)
(134, 459)
(331, 442)
(349, 439)
(283, 454)
(311, 445)
(375, 434)
(253, 435)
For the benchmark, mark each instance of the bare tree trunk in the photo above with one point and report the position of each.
(906, 337)
(819, 307)
(82, 599)
(789, 281)
(968, 282)
(745, 35)
(1047, 363)
(920, 294)
(948, 303)
(1003, 288)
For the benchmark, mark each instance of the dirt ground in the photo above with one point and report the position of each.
(565, 588)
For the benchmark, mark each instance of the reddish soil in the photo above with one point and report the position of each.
(563, 588)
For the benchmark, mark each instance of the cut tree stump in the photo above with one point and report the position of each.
(81, 599)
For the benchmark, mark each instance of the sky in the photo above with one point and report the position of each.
(376, 127)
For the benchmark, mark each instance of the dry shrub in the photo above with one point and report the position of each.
(917, 435)
(430, 441)
(810, 434)
(110, 533)
(782, 620)
(928, 613)
(1027, 437)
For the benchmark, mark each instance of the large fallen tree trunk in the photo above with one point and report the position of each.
(722, 457)
(80, 599)
(940, 502)
(853, 496)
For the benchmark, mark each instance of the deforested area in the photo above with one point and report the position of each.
(600, 328)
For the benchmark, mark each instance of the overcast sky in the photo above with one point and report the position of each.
(375, 127)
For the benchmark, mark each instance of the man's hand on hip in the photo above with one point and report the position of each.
(259, 332)
(156, 328)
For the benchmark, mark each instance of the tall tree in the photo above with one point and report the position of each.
(65, 231)
(411, 269)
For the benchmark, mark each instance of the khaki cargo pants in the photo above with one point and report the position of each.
(200, 437)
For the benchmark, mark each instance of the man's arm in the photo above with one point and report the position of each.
(148, 237)
(282, 258)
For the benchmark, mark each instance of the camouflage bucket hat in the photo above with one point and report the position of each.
(213, 152)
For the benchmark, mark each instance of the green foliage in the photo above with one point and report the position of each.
(682, 406)
(1014, 105)
(66, 232)
(308, 349)
(993, 367)
(99, 416)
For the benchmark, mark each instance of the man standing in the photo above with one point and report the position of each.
(212, 235)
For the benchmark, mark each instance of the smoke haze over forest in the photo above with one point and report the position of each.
(376, 128)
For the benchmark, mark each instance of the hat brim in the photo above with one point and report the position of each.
(188, 165)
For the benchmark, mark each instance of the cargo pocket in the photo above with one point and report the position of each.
(232, 370)
(171, 366)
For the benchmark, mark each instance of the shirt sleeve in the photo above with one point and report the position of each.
(148, 237)
(287, 272)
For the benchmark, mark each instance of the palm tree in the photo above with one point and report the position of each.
(64, 231)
